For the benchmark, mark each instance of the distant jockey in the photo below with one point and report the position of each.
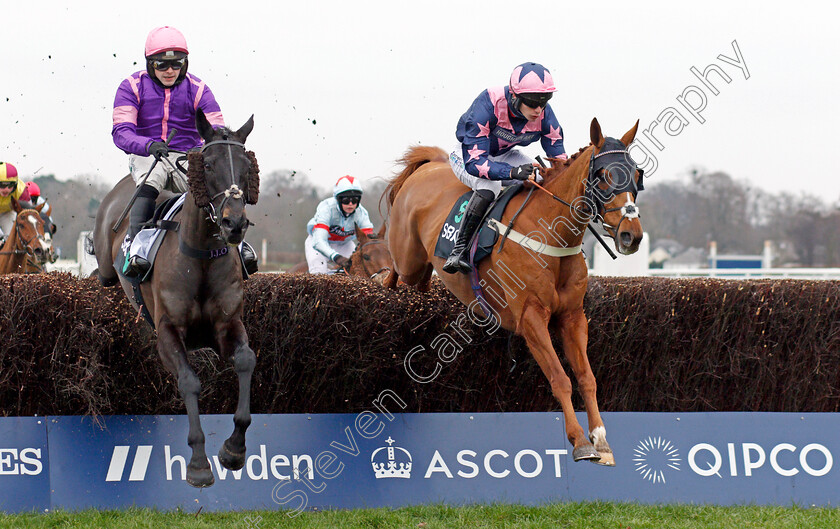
(148, 105)
(332, 233)
(499, 120)
(10, 187)
(37, 200)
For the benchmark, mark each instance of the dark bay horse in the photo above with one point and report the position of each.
(195, 296)
(371, 259)
(532, 287)
(27, 242)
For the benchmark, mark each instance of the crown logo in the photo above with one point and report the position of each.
(397, 464)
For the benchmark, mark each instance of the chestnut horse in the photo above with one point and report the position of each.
(541, 289)
(38, 264)
(195, 296)
(27, 241)
(371, 259)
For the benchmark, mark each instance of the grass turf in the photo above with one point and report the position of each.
(554, 516)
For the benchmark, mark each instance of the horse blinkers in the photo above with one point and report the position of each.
(598, 197)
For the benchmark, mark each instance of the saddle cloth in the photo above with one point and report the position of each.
(486, 237)
(148, 240)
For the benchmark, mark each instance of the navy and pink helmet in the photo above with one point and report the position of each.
(532, 84)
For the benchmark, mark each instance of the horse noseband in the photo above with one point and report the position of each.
(232, 192)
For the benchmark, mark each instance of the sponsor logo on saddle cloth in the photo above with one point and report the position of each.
(486, 237)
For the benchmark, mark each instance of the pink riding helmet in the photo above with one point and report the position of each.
(165, 38)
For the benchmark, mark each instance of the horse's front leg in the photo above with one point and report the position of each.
(173, 353)
(533, 326)
(574, 331)
(233, 341)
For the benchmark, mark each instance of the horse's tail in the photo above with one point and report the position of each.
(412, 160)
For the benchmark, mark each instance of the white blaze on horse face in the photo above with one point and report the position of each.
(45, 245)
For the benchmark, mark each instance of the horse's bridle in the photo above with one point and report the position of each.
(619, 154)
(233, 191)
(364, 266)
(591, 197)
(19, 238)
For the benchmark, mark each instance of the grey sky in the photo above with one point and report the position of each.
(345, 87)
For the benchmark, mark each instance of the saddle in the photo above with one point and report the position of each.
(487, 233)
(148, 240)
(147, 243)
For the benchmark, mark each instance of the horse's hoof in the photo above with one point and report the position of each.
(107, 281)
(586, 452)
(231, 460)
(200, 477)
(607, 459)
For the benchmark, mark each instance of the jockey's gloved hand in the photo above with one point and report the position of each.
(522, 172)
(158, 149)
(343, 262)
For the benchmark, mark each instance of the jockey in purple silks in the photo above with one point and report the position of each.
(148, 105)
(499, 120)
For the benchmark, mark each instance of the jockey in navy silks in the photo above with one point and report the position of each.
(499, 120)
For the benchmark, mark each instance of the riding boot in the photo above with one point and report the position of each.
(458, 260)
(249, 258)
(141, 211)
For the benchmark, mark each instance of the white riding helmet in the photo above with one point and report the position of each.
(347, 186)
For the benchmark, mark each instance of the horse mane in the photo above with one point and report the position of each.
(556, 170)
(413, 158)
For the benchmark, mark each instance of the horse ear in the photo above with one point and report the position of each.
(246, 129)
(595, 135)
(204, 127)
(39, 208)
(16, 205)
(362, 236)
(381, 233)
(630, 135)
